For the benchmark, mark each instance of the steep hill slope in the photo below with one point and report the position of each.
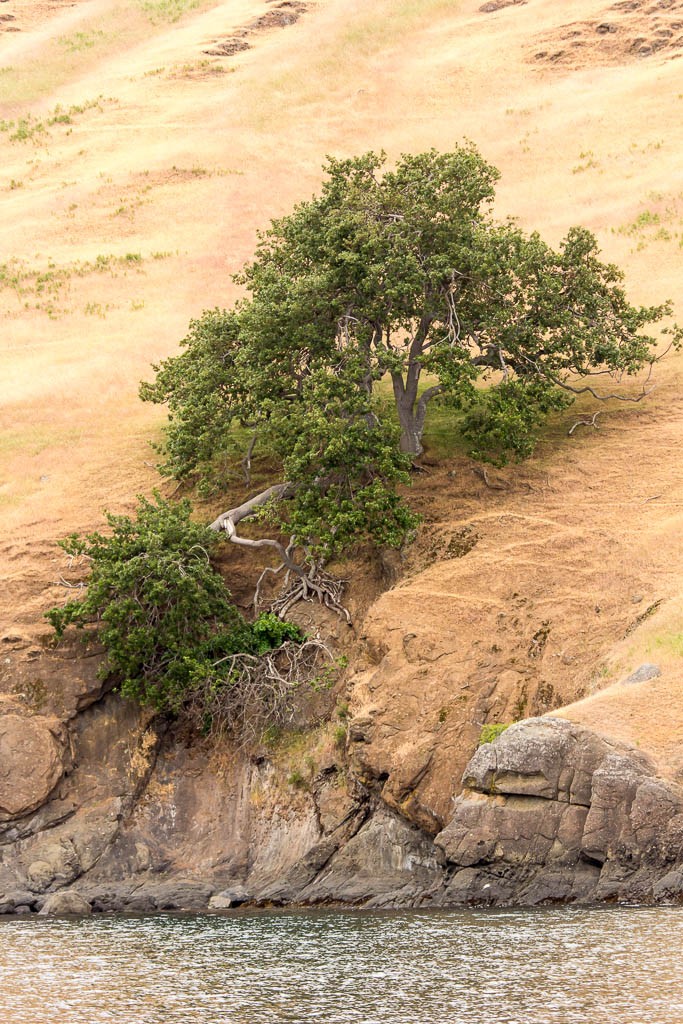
(139, 156)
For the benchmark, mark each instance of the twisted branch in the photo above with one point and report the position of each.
(311, 581)
(592, 422)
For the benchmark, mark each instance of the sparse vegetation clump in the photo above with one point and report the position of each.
(492, 731)
(166, 10)
(32, 129)
(43, 288)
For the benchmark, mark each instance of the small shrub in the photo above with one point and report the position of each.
(492, 731)
(161, 610)
(174, 639)
(296, 779)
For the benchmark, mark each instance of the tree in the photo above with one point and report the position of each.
(400, 274)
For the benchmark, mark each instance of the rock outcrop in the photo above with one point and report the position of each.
(552, 811)
(103, 809)
(32, 761)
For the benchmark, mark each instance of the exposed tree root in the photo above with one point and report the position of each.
(303, 582)
(315, 585)
(254, 692)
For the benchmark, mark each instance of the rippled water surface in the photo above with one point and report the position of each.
(612, 966)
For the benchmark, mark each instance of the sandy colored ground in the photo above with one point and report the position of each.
(121, 225)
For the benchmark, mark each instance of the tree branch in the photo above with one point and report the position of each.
(311, 580)
(229, 520)
(425, 399)
(586, 389)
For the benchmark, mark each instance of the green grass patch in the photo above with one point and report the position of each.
(32, 440)
(587, 162)
(82, 40)
(667, 643)
(34, 129)
(654, 225)
(44, 288)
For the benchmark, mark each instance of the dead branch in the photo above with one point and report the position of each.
(592, 422)
(252, 692)
(71, 586)
(586, 389)
(483, 473)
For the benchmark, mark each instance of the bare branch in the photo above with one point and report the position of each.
(252, 692)
(228, 520)
(483, 473)
(71, 586)
(586, 389)
(268, 569)
(587, 423)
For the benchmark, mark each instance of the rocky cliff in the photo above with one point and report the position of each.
(104, 809)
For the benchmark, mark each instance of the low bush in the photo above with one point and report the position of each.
(174, 639)
(492, 731)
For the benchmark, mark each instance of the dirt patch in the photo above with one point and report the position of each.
(228, 48)
(623, 32)
(280, 16)
(27, 14)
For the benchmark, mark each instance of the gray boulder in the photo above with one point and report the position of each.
(65, 904)
(643, 674)
(553, 811)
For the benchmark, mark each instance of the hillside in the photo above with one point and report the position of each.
(139, 157)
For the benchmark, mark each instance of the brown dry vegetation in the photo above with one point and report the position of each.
(174, 157)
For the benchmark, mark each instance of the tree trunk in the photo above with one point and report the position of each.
(412, 413)
(411, 434)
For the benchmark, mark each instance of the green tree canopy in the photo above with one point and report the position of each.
(400, 274)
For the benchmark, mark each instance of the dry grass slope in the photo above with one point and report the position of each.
(142, 146)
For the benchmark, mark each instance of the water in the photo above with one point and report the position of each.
(556, 966)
